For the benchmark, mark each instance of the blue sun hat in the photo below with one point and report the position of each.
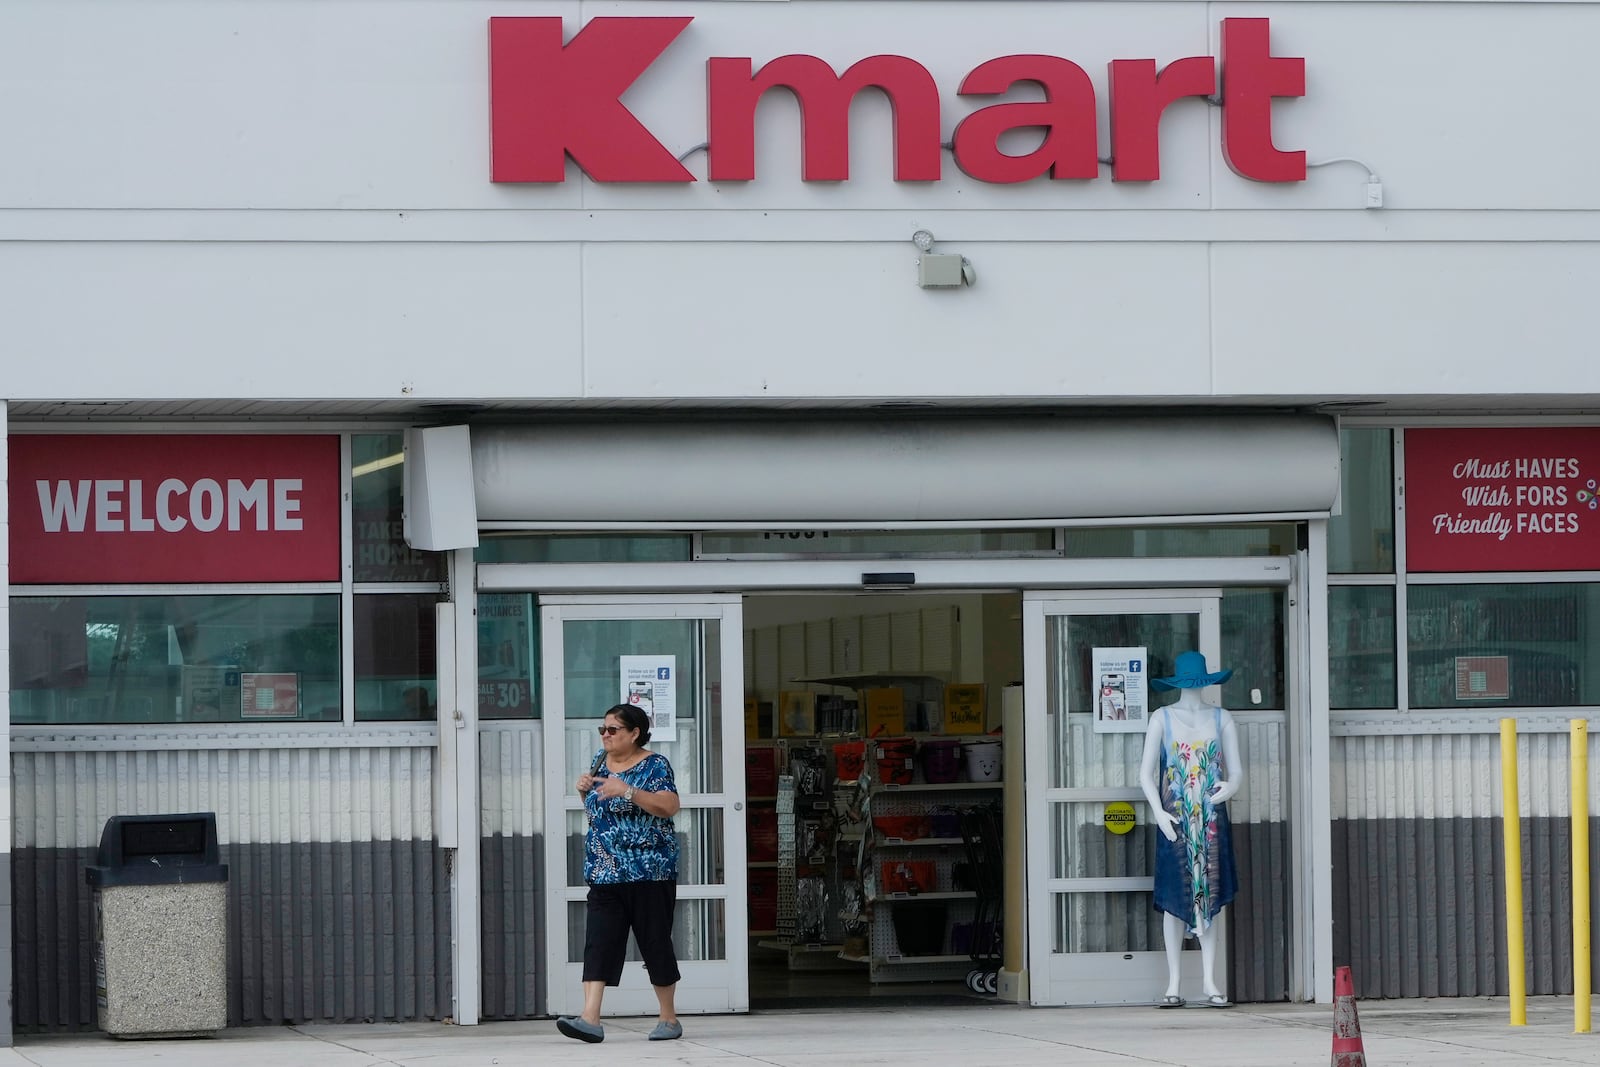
(1190, 673)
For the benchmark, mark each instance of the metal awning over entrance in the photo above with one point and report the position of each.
(950, 472)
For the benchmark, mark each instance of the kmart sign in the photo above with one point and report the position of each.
(552, 99)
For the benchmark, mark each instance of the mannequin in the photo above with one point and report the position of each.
(1190, 768)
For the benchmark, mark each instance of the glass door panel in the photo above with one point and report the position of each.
(584, 641)
(1095, 939)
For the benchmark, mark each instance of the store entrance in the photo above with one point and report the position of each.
(828, 864)
(1094, 937)
(873, 763)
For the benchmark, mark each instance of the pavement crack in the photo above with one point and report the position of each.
(374, 1057)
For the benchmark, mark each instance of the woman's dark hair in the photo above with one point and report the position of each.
(633, 719)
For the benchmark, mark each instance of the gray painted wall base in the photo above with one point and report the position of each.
(512, 872)
(1258, 920)
(345, 932)
(1419, 909)
(6, 980)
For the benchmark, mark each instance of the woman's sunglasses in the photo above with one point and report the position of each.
(609, 730)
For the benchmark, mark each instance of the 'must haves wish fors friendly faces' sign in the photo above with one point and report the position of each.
(174, 508)
(553, 98)
(1503, 500)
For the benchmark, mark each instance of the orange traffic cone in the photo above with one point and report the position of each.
(1347, 1048)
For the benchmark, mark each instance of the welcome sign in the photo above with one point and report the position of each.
(174, 508)
(1503, 499)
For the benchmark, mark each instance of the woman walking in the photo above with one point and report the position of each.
(631, 866)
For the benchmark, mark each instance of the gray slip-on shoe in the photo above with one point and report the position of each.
(576, 1026)
(666, 1031)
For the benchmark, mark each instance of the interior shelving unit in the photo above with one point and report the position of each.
(886, 959)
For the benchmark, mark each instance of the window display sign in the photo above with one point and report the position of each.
(505, 678)
(1121, 703)
(1502, 499)
(209, 694)
(1483, 677)
(650, 684)
(119, 508)
(269, 696)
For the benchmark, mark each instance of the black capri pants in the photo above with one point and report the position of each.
(646, 908)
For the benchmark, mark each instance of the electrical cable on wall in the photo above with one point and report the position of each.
(1374, 186)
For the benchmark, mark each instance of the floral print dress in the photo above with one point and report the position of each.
(1195, 875)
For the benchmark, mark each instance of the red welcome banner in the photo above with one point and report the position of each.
(173, 508)
(1502, 500)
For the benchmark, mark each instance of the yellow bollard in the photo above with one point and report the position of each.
(1511, 823)
(1580, 877)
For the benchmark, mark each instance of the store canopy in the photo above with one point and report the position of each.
(953, 471)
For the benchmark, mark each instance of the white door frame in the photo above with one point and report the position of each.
(707, 985)
(1109, 977)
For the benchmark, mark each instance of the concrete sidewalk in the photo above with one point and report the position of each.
(1458, 1033)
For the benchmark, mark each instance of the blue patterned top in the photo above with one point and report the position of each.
(625, 843)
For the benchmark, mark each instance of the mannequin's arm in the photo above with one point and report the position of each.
(1234, 766)
(1149, 764)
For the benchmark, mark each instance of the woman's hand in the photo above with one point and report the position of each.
(585, 783)
(610, 786)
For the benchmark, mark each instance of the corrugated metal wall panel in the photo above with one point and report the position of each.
(1419, 903)
(1258, 920)
(512, 943)
(1393, 772)
(510, 761)
(322, 932)
(339, 901)
(279, 796)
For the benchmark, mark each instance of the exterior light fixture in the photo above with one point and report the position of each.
(940, 270)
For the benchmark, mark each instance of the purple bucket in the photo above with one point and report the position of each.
(941, 761)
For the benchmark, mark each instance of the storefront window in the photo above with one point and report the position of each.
(1361, 647)
(878, 543)
(396, 639)
(593, 669)
(1491, 646)
(582, 548)
(380, 552)
(168, 659)
(508, 656)
(1253, 647)
(1361, 536)
(1122, 542)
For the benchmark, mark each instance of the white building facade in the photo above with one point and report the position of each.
(1262, 327)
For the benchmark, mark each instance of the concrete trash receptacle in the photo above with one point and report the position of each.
(160, 926)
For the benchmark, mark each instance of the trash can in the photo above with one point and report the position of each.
(160, 926)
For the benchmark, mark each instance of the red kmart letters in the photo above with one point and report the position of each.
(1252, 76)
(824, 99)
(548, 100)
(1071, 147)
(552, 100)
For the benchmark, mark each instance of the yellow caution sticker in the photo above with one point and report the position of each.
(1119, 816)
